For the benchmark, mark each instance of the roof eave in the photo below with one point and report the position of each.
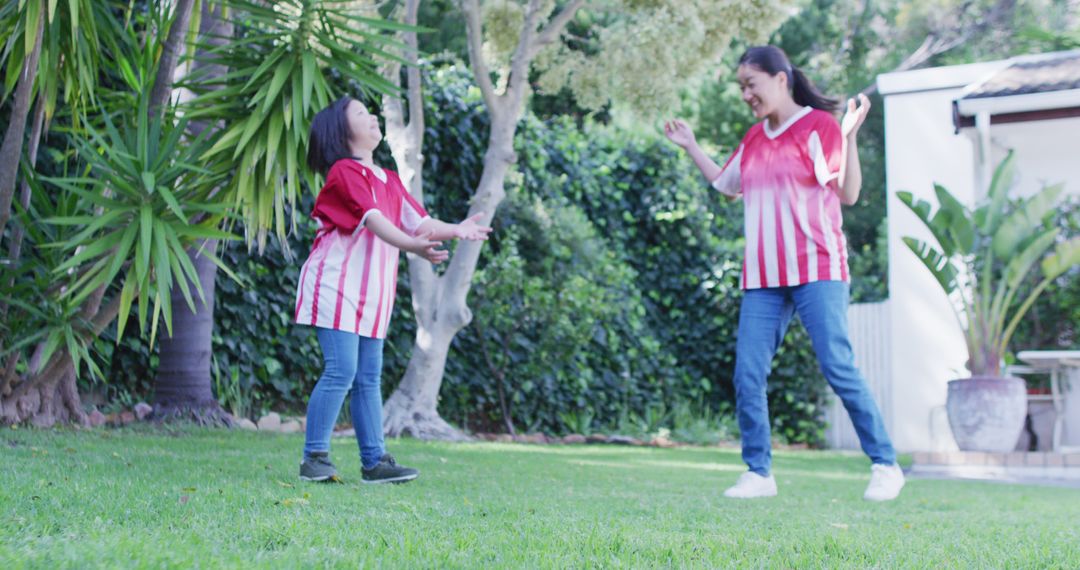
(1019, 103)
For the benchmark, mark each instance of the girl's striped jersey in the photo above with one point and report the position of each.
(349, 280)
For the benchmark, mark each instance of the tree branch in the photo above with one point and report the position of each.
(415, 93)
(406, 141)
(555, 27)
(523, 54)
(942, 41)
(475, 30)
(411, 132)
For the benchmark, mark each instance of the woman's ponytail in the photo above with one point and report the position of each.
(805, 93)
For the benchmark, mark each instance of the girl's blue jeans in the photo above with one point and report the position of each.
(763, 320)
(353, 366)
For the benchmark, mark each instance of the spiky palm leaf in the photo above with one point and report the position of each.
(141, 192)
(280, 68)
(76, 38)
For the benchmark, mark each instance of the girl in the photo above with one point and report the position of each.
(348, 283)
(793, 170)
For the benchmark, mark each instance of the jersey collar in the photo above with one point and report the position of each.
(791, 121)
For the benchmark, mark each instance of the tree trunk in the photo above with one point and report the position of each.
(440, 302)
(170, 54)
(177, 393)
(441, 312)
(411, 409)
(11, 150)
(18, 232)
(49, 394)
(47, 404)
(52, 402)
(183, 385)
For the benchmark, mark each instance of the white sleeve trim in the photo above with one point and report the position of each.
(363, 220)
(420, 223)
(729, 183)
(410, 217)
(821, 164)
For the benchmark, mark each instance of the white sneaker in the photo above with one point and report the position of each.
(751, 486)
(885, 482)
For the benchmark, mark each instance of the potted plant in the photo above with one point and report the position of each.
(980, 260)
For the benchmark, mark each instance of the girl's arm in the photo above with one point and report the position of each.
(467, 229)
(850, 180)
(681, 134)
(421, 245)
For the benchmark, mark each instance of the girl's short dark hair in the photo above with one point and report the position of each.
(773, 60)
(328, 141)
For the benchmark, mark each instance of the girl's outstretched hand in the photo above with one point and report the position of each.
(429, 250)
(680, 133)
(855, 116)
(470, 229)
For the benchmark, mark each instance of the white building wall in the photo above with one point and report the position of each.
(909, 347)
(1047, 152)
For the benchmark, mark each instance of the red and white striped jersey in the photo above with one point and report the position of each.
(349, 280)
(787, 179)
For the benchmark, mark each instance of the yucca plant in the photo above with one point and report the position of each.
(983, 257)
(39, 313)
(146, 201)
(112, 227)
(281, 66)
(73, 34)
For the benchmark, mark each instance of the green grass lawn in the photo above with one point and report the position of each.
(209, 499)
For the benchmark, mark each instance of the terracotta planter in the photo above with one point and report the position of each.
(987, 413)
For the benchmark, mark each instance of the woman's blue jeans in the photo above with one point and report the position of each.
(763, 320)
(353, 366)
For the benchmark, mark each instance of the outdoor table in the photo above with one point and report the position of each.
(1056, 363)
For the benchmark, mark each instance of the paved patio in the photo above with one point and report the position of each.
(1036, 467)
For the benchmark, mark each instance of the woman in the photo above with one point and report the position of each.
(793, 170)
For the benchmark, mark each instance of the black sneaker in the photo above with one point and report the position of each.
(318, 467)
(388, 471)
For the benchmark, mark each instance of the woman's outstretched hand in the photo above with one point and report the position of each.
(855, 116)
(471, 230)
(680, 133)
(428, 249)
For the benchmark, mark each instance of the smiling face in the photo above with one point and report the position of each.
(764, 93)
(363, 126)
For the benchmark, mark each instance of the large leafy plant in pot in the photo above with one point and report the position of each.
(982, 259)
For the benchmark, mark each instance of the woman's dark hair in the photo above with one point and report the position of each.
(773, 60)
(329, 138)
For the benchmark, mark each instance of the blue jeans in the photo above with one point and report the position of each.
(763, 320)
(353, 365)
